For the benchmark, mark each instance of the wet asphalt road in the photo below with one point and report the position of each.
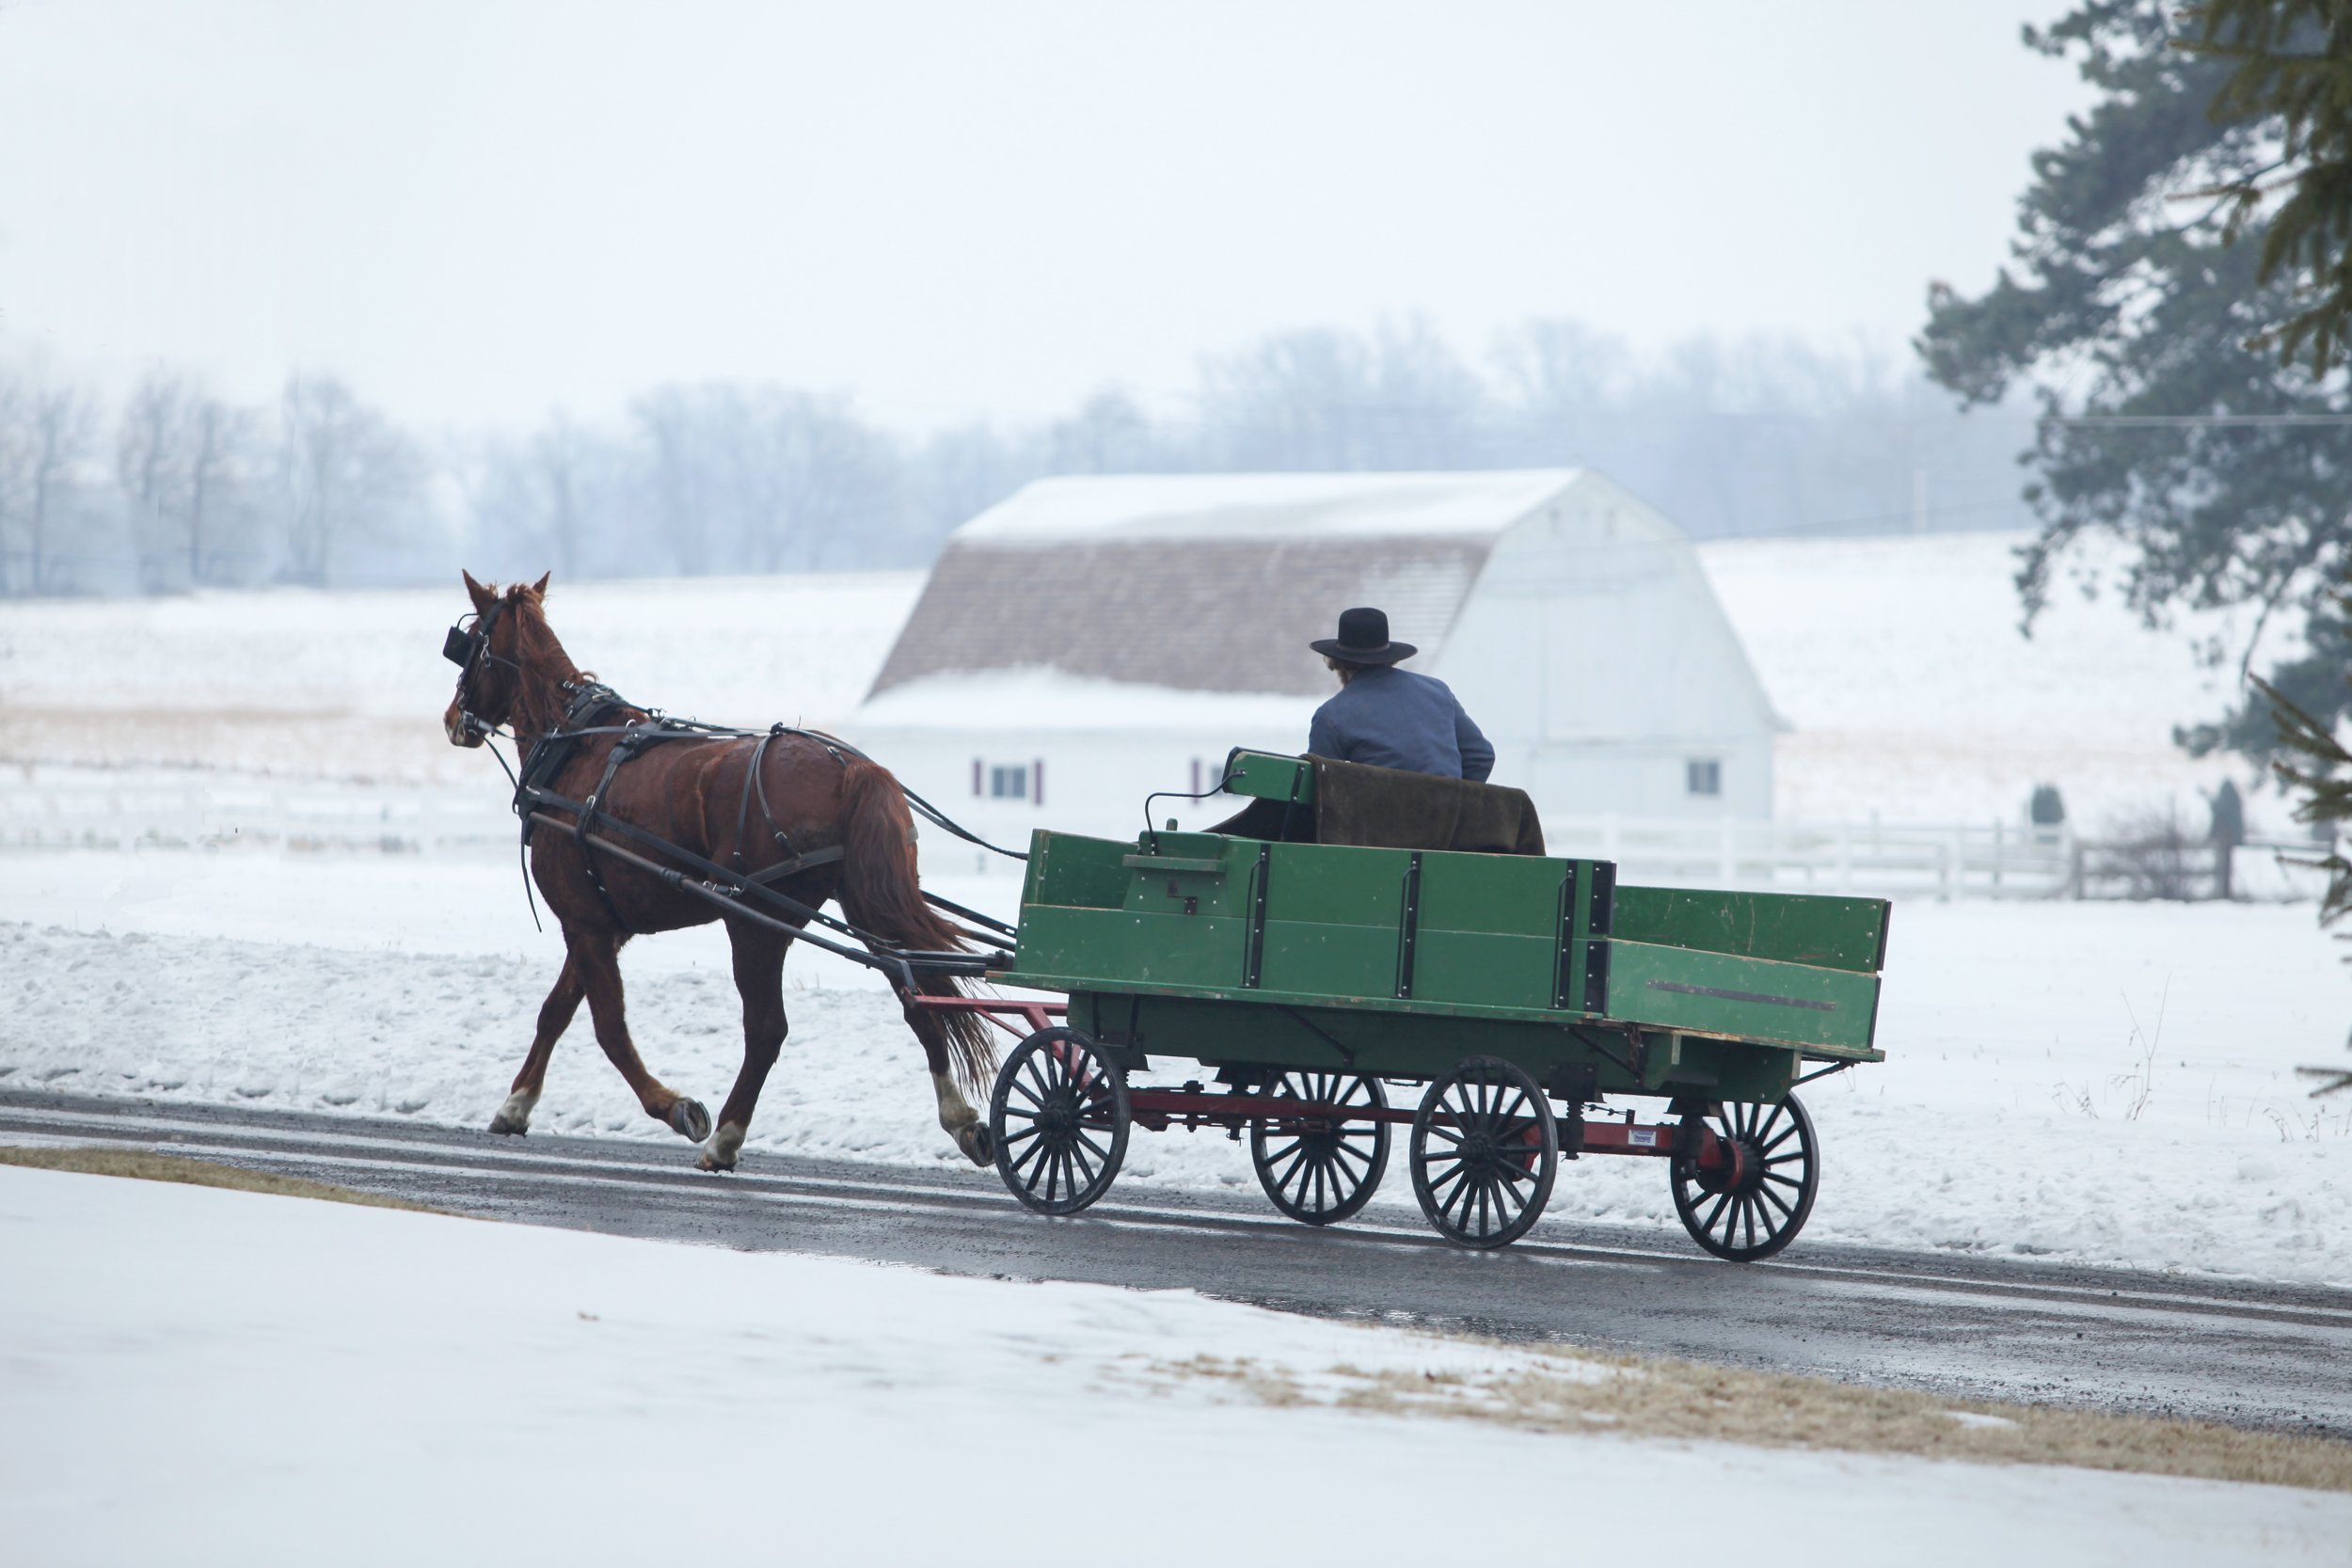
(2252, 1354)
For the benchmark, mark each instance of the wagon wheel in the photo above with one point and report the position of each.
(1484, 1153)
(1320, 1170)
(1060, 1121)
(1755, 1205)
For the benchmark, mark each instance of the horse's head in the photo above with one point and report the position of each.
(491, 656)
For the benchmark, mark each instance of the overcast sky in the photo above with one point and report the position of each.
(477, 211)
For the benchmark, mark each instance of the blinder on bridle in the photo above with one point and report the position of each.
(466, 646)
(462, 644)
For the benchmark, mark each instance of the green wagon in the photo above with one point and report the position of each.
(1523, 993)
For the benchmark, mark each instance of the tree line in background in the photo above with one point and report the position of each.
(176, 487)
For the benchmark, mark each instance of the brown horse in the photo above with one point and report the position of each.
(692, 792)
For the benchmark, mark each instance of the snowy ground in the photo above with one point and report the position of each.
(1912, 695)
(2107, 1084)
(328, 1383)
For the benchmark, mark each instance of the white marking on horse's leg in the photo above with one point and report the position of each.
(724, 1144)
(514, 1116)
(961, 1122)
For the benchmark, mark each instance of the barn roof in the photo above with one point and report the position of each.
(1206, 583)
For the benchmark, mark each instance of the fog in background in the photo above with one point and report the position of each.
(351, 294)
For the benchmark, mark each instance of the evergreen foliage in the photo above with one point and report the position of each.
(2317, 774)
(2142, 330)
(2292, 66)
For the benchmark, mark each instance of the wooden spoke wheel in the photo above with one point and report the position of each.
(1755, 1204)
(1059, 1119)
(1484, 1153)
(1320, 1169)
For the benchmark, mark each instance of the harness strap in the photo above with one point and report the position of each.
(586, 818)
(743, 801)
(759, 781)
(711, 870)
(797, 864)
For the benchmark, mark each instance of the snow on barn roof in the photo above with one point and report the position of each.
(1206, 583)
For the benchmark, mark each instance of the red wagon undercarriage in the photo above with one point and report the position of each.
(1728, 1162)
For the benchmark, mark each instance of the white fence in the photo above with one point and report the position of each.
(1885, 859)
(82, 808)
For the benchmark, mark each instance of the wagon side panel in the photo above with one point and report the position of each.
(1757, 999)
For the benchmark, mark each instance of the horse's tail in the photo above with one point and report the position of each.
(880, 894)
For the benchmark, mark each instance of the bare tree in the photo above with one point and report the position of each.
(217, 439)
(48, 432)
(1111, 434)
(180, 455)
(560, 456)
(958, 474)
(1327, 399)
(680, 479)
(764, 478)
(551, 499)
(147, 448)
(811, 472)
(344, 472)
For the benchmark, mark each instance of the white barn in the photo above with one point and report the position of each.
(1090, 640)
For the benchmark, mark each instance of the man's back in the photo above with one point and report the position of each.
(1391, 717)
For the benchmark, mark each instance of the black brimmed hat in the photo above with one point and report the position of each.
(1364, 638)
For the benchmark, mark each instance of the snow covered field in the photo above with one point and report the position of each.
(1897, 660)
(356, 1386)
(2107, 1084)
(1912, 695)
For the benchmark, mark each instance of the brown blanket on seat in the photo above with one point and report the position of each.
(1385, 808)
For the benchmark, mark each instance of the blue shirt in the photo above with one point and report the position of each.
(1391, 717)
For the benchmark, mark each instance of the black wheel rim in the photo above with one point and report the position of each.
(1484, 1153)
(1760, 1209)
(1320, 1170)
(1059, 1118)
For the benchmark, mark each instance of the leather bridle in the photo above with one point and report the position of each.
(469, 648)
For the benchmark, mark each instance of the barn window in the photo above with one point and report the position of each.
(1009, 782)
(1704, 776)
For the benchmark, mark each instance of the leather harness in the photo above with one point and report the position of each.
(592, 701)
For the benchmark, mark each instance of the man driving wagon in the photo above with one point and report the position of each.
(1384, 716)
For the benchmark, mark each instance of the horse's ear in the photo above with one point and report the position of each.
(481, 596)
(539, 589)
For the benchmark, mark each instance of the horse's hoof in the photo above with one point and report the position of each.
(720, 1152)
(688, 1120)
(976, 1144)
(514, 1117)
